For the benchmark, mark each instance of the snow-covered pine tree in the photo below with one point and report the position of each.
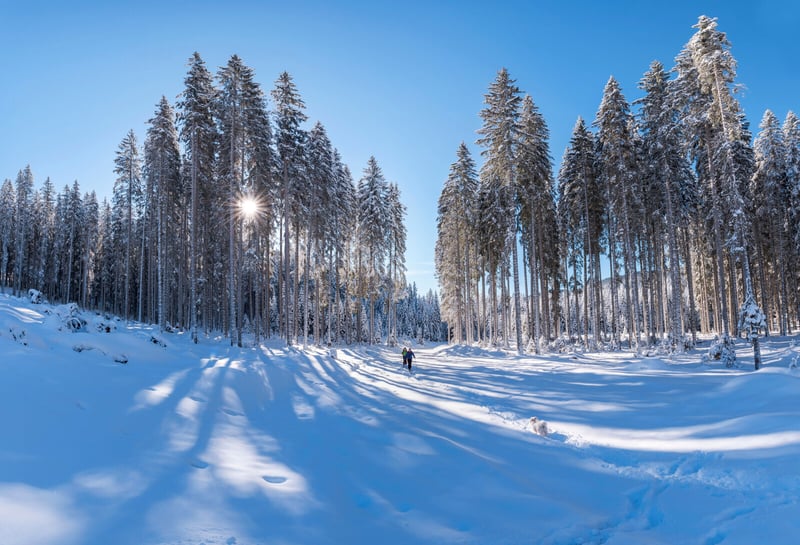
(291, 164)
(581, 217)
(751, 322)
(499, 136)
(322, 184)
(245, 166)
(89, 233)
(455, 263)
(791, 143)
(704, 90)
(23, 218)
(231, 167)
(259, 186)
(72, 215)
(373, 226)
(396, 243)
(45, 226)
(7, 208)
(127, 189)
(103, 274)
(162, 174)
(770, 192)
(672, 191)
(198, 133)
(537, 215)
(618, 174)
(344, 216)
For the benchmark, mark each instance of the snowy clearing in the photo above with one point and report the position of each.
(205, 443)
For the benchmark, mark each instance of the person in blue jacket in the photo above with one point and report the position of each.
(408, 355)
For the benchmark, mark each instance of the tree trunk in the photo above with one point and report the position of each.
(535, 273)
(517, 310)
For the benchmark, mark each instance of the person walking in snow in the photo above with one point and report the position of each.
(409, 355)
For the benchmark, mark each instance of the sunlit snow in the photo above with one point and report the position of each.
(205, 443)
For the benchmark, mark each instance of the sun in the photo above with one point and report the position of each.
(249, 207)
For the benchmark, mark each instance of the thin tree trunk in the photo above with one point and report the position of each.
(535, 274)
(517, 310)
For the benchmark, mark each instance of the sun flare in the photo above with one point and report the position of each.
(249, 207)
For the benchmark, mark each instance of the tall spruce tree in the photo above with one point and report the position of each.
(791, 141)
(23, 219)
(162, 173)
(668, 175)
(290, 141)
(373, 226)
(705, 89)
(198, 133)
(617, 167)
(770, 193)
(396, 244)
(455, 259)
(322, 185)
(127, 190)
(537, 210)
(7, 208)
(581, 216)
(500, 134)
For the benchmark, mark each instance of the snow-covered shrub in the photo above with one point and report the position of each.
(722, 350)
(35, 297)
(104, 326)
(751, 318)
(70, 317)
(751, 322)
(559, 345)
(671, 344)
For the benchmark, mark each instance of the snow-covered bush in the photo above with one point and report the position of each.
(751, 322)
(70, 317)
(722, 350)
(35, 297)
(103, 325)
(671, 344)
(559, 345)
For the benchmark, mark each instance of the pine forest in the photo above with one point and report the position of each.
(665, 220)
(228, 220)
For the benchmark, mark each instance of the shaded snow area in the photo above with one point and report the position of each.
(191, 444)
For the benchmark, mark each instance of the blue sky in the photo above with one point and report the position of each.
(403, 81)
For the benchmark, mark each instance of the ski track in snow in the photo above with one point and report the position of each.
(212, 444)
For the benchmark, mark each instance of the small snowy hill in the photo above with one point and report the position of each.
(189, 444)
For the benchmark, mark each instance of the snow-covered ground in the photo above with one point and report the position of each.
(189, 444)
